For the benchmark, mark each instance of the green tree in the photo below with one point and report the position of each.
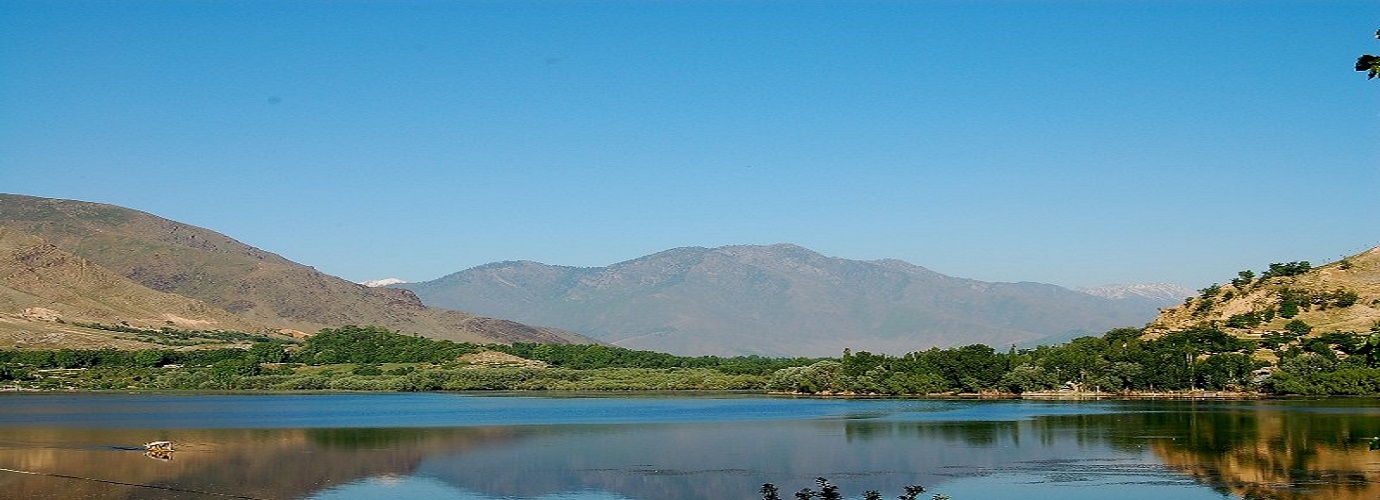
(230, 369)
(1243, 279)
(1122, 336)
(972, 367)
(1288, 307)
(151, 357)
(818, 377)
(1027, 378)
(1345, 298)
(1368, 63)
(1225, 371)
(1298, 327)
(1286, 269)
(1370, 348)
(1244, 320)
(1078, 361)
(268, 352)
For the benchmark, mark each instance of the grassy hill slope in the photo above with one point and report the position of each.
(1339, 296)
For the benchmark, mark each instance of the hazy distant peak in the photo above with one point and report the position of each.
(1167, 292)
(780, 299)
(901, 265)
(382, 282)
(777, 248)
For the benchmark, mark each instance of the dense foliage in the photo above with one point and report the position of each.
(373, 345)
(591, 356)
(359, 358)
(1122, 360)
(1369, 63)
(1294, 361)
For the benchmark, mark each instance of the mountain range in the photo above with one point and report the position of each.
(779, 300)
(65, 262)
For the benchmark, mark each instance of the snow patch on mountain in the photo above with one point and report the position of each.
(382, 282)
(1165, 292)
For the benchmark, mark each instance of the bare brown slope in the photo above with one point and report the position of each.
(35, 274)
(1320, 307)
(47, 293)
(255, 285)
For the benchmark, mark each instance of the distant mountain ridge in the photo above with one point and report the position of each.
(151, 260)
(774, 300)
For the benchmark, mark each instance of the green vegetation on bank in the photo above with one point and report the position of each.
(173, 337)
(1121, 361)
(372, 358)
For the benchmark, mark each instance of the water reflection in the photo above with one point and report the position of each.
(1283, 450)
(209, 463)
(1277, 453)
(1272, 449)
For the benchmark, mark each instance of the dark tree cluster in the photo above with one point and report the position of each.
(1368, 63)
(1120, 360)
(594, 356)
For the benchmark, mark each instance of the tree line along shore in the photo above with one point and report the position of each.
(1200, 362)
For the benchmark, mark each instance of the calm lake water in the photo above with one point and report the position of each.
(678, 446)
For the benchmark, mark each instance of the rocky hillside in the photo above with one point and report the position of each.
(1340, 296)
(208, 269)
(775, 300)
(48, 294)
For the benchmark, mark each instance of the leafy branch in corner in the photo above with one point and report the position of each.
(1369, 63)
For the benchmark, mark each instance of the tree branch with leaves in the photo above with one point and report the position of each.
(1369, 63)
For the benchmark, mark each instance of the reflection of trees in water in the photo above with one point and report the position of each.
(1285, 454)
(1266, 450)
(1289, 450)
(351, 438)
(979, 433)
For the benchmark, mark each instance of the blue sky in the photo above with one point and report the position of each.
(1069, 142)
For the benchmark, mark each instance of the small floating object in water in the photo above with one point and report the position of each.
(158, 446)
(1374, 443)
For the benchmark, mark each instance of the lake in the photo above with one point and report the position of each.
(482, 446)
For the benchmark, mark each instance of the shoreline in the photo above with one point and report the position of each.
(1061, 395)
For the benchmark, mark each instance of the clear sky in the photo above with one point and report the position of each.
(1069, 142)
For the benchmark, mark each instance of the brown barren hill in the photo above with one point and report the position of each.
(254, 285)
(50, 298)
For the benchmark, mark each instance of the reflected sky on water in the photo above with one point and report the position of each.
(660, 446)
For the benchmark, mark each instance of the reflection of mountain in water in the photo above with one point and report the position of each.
(698, 461)
(1262, 450)
(258, 463)
(1245, 449)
